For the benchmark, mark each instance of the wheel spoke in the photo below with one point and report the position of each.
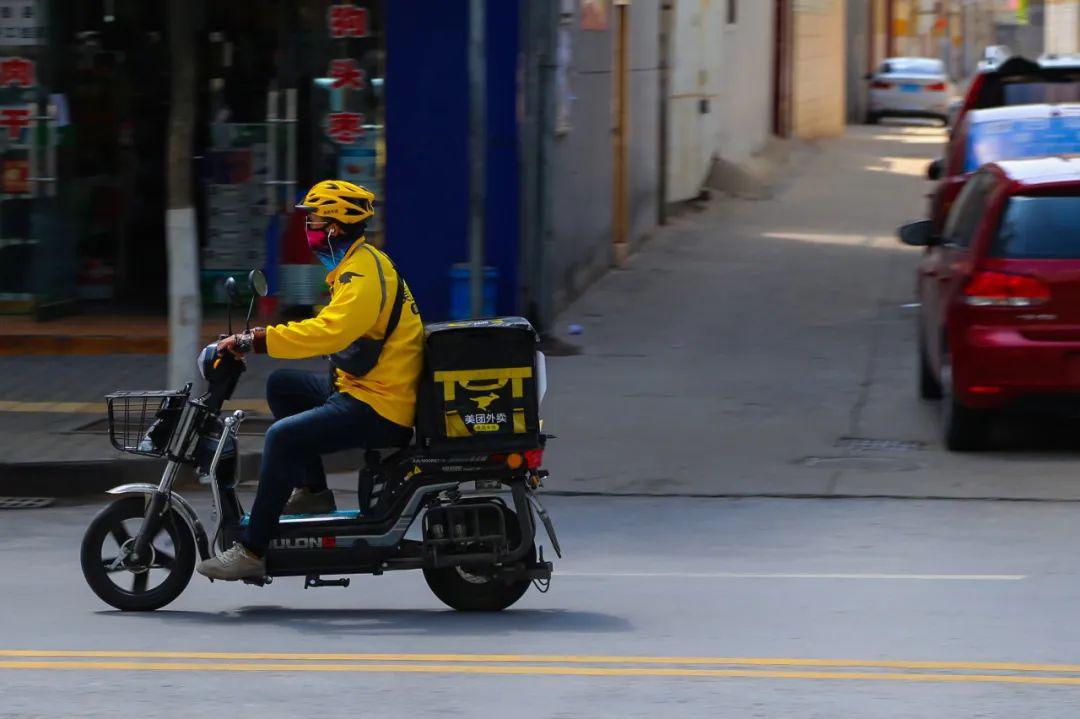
(138, 585)
(109, 565)
(164, 559)
(119, 533)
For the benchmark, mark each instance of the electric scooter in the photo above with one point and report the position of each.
(477, 552)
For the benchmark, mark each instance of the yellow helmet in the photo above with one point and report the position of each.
(339, 200)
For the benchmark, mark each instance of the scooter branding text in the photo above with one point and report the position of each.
(303, 543)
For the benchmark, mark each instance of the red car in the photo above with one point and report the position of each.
(1017, 81)
(1000, 296)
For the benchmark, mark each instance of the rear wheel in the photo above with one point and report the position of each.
(480, 589)
(142, 586)
(966, 429)
(929, 385)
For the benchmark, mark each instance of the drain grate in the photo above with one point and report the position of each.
(25, 502)
(868, 444)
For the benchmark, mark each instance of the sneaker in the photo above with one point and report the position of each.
(234, 563)
(304, 501)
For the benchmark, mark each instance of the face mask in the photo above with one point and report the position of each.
(320, 243)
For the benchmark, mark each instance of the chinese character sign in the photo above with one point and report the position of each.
(347, 75)
(347, 21)
(16, 72)
(345, 127)
(15, 119)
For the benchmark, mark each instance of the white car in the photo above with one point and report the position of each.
(909, 87)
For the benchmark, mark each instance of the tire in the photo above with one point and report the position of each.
(473, 590)
(108, 528)
(872, 118)
(929, 385)
(966, 429)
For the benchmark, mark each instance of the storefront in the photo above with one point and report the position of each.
(289, 92)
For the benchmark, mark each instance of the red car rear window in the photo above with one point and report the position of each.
(1057, 87)
(1039, 228)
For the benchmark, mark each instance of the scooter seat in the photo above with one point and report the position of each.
(341, 515)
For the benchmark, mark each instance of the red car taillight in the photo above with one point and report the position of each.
(936, 87)
(879, 85)
(1000, 289)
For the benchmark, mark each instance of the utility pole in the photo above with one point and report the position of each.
(477, 152)
(620, 245)
(182, 240)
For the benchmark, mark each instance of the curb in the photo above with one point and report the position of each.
(87, 345)
(95, 477)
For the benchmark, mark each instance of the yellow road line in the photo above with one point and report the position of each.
(537, 671)
(544, 659)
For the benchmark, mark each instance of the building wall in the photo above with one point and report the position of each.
(582, 154)
(818, 92)
(1062, 26)
(859, 61)
(720, 97)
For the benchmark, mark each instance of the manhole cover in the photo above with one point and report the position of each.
(868, 444)
(861, 464)
(25, 502)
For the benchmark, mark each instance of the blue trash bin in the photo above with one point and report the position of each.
(460, 294)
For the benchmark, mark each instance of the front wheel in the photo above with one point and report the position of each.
(143, 586)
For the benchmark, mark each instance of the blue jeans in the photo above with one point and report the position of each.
(312, 420)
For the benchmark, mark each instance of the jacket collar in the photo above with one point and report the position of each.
(332, 277)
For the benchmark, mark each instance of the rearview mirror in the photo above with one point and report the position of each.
(919, 234)
(230, 289)
(257, 282)
(933, 171)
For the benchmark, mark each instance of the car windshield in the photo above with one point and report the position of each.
(1021, 138)
(1039, 228)
(913, 66)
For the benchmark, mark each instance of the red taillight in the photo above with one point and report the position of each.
(880, 85)
(936, 87)
(999, 289)
(534, 458)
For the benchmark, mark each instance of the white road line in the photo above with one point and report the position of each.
(796, 575)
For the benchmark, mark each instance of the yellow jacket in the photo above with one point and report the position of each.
(362, 290)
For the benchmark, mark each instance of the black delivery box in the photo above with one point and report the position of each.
(479, 387)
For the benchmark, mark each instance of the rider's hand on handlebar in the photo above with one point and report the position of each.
(254, 340)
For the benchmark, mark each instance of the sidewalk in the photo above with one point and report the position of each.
(94, 335)
(755, 348)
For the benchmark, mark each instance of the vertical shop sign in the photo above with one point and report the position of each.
(20, 23)
(358, 143)
(17, 72)
(345, 127)
(347, 21)
(347, 75)
(16, 120)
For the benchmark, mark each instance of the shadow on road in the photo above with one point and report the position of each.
(395, 621)
(1020, 433)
